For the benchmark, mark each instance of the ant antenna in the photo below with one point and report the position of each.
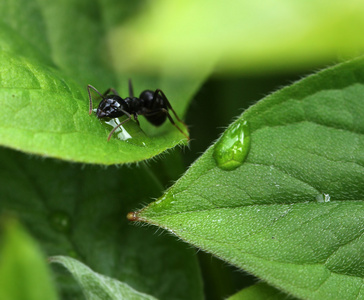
(90, 98)
(131, 92)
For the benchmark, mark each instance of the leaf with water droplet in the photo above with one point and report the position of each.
(265, 216)
(233, 146)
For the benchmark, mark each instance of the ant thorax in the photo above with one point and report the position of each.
(134, 104)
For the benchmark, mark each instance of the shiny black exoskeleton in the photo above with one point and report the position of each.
(153, 106)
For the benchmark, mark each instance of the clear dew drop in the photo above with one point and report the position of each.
(323, 198)
(233, 147)
(60, 221)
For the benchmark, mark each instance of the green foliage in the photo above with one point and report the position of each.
(96, 286)
(81, 212)
(269, 216)
(280, 197)
(45, 109)
(46, 113)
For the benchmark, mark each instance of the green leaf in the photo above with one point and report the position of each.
(46, 64)
(292, 213)
(80, 211)
(46, 113)
(260, 291)
(241, 36)
(24, 273)
(97, 286)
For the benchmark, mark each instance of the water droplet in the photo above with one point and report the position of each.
(233, 147)
(323, 198)
(60, 221)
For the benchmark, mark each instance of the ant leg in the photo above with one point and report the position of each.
(168, 105)
(116, 127)
(89, 96)
(131, 92)
(163, 110)
(136, 119)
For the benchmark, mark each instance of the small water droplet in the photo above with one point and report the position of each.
(233, 147)
(61, 221)
(323, 198)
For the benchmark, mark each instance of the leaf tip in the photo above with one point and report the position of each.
(132, 216)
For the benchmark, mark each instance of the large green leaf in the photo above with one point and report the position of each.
(24, 273)
(239, 35)
(46, 63)
(46, 113)
(80, 212)
(293, 212)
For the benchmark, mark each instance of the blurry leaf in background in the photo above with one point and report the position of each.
(81, 212)
(292, 213)
(239, 35)
(24, 272)
(96, 286)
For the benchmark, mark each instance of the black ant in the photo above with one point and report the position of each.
(153, 106)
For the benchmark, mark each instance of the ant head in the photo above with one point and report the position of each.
(110, 107)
